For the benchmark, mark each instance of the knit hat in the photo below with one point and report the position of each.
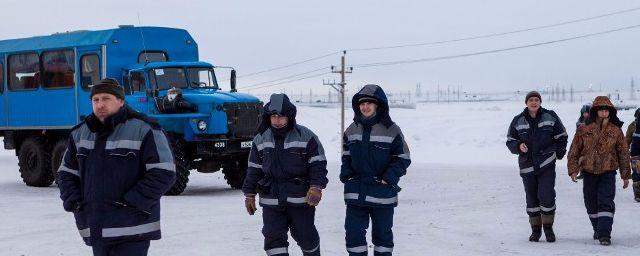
(368, 99)
(108, 85)
(532, 94)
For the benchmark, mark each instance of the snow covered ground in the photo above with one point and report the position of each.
(462, 196)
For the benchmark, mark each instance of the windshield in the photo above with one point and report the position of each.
(166, 78)
(202, 78)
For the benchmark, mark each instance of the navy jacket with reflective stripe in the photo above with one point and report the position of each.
(545, 137)
(373, 153)
(285, 172)
(117, 172)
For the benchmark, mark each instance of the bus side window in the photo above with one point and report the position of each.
(90, 65)
(23, 71)
(58, 69)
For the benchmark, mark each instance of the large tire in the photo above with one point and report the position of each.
(34, 161)
(235, 170)
(57, 152)
(178, 146)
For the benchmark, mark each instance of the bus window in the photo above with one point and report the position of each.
(23, 71)
(58, 69)
(152, 56)
(90, 65)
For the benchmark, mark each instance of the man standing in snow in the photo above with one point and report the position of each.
(538, 137)
(288, 169)
(117, 165)
(375, 156)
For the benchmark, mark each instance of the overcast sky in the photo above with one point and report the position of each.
(257, 35)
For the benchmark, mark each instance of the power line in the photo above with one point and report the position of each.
(496, 34)
(388, 63)
(285, 78)
(291, 81)
(291, 65)
(442, 42)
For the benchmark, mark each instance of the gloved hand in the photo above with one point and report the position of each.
(77, 207)
(314, 195)
(250, 203)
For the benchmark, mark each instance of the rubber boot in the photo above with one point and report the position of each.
(536, 229)
(636, 191)
(547, 225)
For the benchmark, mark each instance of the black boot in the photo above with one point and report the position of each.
(536, 228)
(595, 235)
(547, 224)
(636, 191)
(548, 233)
(536, 233)
(605, 240)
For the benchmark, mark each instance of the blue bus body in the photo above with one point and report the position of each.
(46, 80)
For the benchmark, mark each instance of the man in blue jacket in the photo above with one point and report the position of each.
(117, 165)
(538, 137)
(288, 169)
(375, 156)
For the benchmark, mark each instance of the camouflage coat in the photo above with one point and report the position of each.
(600, 145)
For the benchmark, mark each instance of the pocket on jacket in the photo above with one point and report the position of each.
(352, 186)
(123, 216)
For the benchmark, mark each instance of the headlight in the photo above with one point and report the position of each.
(202, 125)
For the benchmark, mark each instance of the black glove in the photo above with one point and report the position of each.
(77, 207)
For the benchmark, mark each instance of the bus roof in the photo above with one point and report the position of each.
(88, 38)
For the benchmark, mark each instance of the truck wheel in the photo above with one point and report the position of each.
(178, 147)
(235, 171)
(34, 161)
(56, 157)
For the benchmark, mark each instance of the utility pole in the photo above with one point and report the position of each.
(341, 89)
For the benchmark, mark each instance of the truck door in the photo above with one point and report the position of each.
(136, 91)
(89, 72)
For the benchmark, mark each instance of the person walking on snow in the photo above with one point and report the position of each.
(375, 156)
(538, 137)
(117, 165)
(288, 170)
(633, 140)
(598, 149)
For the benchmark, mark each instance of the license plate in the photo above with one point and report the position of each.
(219, 144)
(246, 144)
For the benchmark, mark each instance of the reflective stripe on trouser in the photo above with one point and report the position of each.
(599, 194)
(540, 192)
(356, 224)
(299, 220)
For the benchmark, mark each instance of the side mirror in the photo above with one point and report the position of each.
(233, 81)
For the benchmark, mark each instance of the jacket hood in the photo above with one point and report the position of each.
(281, 105)
(603, 102)
(585, 109)
(376, 92)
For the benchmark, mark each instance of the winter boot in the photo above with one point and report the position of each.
(605, 240)
(636, 191)
(547, 224)
(595, 235)
(536, 228)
